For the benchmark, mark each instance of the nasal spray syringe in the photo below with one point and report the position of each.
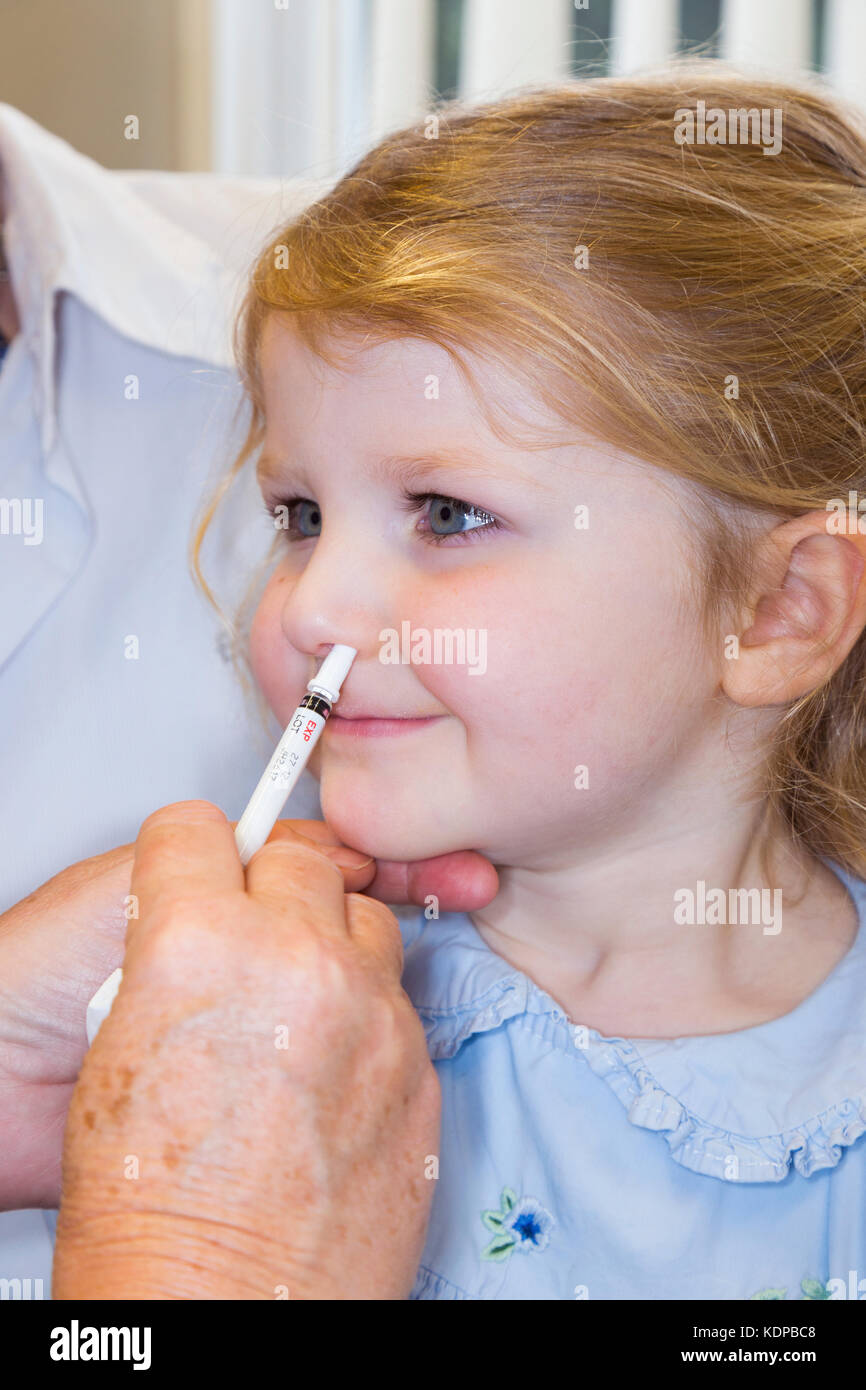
(290, 757)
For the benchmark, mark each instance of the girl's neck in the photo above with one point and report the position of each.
(668, 941)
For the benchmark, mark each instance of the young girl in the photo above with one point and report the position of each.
(560, 407)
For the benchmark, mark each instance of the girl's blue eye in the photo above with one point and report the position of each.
(286, 513)
(449, 514)
(301, 518)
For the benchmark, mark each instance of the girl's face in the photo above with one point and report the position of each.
(581, 643)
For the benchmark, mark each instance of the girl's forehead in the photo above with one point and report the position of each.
(339, 358)
(410, 398)
(408, 378)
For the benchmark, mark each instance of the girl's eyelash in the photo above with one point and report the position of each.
(415, 501)
(412, 502)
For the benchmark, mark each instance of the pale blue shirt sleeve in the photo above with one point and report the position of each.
(119, 412)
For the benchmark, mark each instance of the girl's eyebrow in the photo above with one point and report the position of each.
(402, 468)
(410, 468)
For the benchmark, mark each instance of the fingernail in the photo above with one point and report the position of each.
(350, 859)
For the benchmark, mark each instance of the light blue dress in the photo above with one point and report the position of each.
(574, 1165)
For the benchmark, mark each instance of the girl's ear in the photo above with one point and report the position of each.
(808, 611)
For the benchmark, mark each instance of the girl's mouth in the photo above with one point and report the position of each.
(375, 727)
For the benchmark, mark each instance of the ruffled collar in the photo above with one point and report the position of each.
(742, 1106)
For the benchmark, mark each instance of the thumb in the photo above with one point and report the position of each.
(460, 881)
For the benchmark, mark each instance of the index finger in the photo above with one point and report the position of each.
(185, 850)
(299, 884)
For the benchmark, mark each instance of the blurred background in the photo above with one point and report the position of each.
(303, 87)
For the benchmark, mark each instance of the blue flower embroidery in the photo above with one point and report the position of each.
(522, 1224)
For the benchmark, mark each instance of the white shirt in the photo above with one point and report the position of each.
(124, 282)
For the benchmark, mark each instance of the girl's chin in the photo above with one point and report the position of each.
(387, 831)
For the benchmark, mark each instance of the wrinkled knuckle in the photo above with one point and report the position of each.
(190, 812)
(180, 936)
(326, 969)
(371, 912)
(393, 1029)
(298, 857)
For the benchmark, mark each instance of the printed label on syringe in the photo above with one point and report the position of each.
(298, 735)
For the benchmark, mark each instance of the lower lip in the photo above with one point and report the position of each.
(379, 728)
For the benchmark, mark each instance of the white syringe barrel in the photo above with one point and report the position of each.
(279, 777)
(292, 752)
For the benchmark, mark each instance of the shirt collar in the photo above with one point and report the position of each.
(71, 225)
(459, 986)
(450, 970)
(742, 1106)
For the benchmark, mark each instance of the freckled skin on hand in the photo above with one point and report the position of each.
(117, 1107)
(234, 1141)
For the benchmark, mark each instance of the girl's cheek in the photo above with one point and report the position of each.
(533, 703)
(271, 657)
(505, 634)
(474, 616)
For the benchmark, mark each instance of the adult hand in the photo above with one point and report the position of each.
(60, 943)
(255, 1117)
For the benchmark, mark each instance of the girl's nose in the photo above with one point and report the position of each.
(341, 595)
